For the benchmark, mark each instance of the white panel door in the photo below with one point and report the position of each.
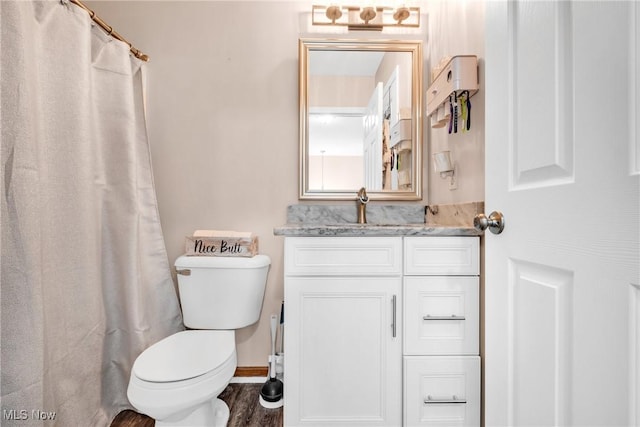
(561, 288)
(373, 140)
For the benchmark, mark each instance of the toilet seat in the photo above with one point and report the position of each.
(185, 355)
(188, 401)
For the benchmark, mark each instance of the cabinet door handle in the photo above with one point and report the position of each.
(446, 400)
(452, 317)
(393, 316)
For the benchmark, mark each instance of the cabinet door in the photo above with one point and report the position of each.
(344, 355)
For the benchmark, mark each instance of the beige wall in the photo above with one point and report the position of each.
(456, 27)
(340, 91)
(345, 172)
(222, 106)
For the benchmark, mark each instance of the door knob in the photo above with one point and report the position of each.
(495, 222)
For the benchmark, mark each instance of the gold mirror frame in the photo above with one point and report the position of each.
(305, 46)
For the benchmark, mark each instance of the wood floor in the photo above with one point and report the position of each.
(242, 400)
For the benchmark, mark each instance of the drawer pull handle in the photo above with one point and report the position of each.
(454, 399)
(393, 316)
(452, 317)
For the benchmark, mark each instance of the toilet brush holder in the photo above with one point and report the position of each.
(280, 366)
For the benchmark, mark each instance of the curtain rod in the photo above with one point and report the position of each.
(110, 31)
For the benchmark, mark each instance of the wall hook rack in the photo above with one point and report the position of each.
(458, 75)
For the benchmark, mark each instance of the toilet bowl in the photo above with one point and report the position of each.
(177, 380)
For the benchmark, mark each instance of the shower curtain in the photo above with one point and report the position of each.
(85, 281)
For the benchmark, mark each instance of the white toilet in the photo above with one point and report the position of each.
(177, 380)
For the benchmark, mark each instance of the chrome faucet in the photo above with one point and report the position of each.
(362, 200)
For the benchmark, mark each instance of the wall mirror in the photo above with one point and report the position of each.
(360, 119)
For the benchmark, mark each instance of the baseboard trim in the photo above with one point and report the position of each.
(251, 371)
(249, 380)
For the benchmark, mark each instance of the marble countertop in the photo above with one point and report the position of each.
(383, 220)
(352, 229)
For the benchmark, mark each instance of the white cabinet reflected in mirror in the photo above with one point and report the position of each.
(360, 119)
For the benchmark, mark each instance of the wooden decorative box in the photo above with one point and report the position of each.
(221, 243)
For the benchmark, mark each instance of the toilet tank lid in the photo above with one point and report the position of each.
(257, 261)
(185, 355)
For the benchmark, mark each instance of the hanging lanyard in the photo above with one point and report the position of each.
(463, 111)
(468, 105)
(460, 107)
(455, 112)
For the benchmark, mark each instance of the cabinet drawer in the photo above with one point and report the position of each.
(442, 256)
(442, 391)
(401, 131)
(344, 256)
(441, 315)
(437, 93)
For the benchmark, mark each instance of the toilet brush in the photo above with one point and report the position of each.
(271, 392)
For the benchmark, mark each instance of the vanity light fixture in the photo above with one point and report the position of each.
(370, 18)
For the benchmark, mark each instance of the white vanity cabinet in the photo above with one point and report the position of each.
(382, 331)
(343, 363)
(441, 331)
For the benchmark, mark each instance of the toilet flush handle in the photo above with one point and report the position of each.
(183, 272)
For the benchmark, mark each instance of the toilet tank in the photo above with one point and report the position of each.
(221, 292)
